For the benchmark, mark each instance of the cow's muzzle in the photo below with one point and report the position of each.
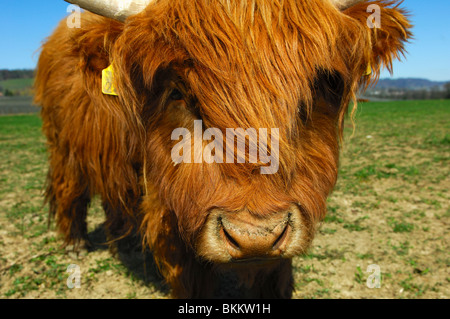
(242, 236)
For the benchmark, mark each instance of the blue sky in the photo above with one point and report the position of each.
(25, 23)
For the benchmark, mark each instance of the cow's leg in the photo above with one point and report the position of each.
(113, 223)
(187, 277)
(119, 225)
(68, 197)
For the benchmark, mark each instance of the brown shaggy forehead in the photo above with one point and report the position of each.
(251, 62)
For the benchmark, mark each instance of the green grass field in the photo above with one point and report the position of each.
(16, 84)
(390, 208)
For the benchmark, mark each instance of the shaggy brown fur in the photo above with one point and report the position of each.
(287, 64)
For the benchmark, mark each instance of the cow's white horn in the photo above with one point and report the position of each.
(114, 9)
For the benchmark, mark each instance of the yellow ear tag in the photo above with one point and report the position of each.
(108, 81)
(369, 69)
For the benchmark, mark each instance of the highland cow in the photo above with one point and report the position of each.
(285, 64)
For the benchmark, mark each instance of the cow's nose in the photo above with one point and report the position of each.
(247, 237)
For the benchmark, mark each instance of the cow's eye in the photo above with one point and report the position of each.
(176, 95)
(329, 86)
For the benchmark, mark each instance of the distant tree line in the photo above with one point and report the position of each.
(6, 75)
(16, 74)
(435, 93)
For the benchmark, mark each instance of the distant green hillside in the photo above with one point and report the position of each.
(16, 84)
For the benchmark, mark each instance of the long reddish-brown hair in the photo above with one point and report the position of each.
(287, 64)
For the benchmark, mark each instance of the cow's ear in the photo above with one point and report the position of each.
(383, 30)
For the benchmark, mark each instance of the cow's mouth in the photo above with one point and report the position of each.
(241, 238)
(256, 261)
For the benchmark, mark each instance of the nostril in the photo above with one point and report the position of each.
(231, 241)
(281, 239)
(228, 238)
